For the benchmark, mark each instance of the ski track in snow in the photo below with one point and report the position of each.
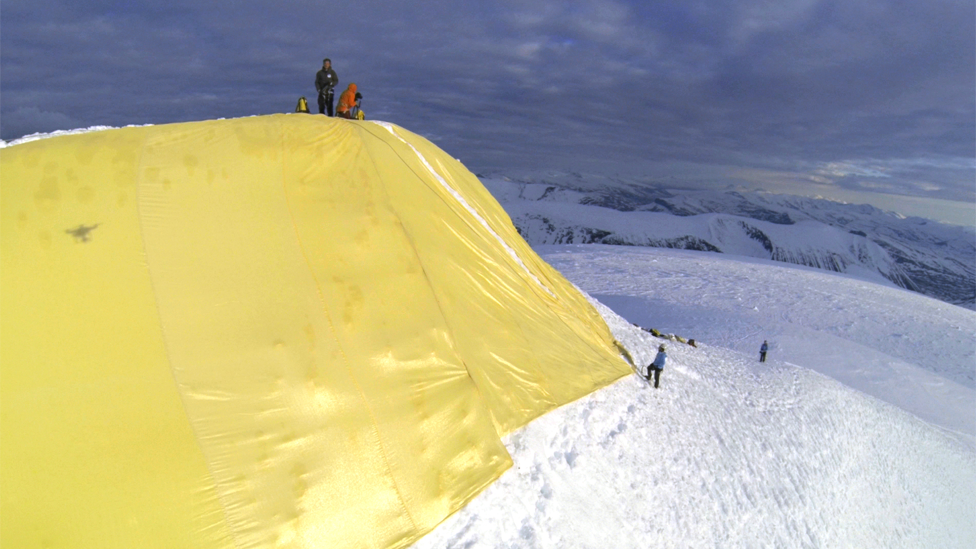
(729, 452)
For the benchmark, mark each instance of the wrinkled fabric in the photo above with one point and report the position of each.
(270, 331)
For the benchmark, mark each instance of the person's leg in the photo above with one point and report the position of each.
(657, 377)
(329, 103)
(321, 104)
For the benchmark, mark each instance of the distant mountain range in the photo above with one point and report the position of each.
(925, 256)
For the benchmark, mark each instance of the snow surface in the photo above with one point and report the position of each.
(733, 453)
(912, 351)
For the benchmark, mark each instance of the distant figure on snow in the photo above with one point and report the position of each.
(762, 351)
(657, 366)
(325, 82)
(347, 102)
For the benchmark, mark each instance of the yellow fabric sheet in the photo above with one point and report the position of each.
(287, 330)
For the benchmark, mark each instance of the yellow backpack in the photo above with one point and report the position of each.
(302, 105)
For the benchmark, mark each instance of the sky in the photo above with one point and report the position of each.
(855, 96)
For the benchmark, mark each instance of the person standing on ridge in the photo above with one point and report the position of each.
(657, 366)
(346, 102)
(762, 351)
(325, 83)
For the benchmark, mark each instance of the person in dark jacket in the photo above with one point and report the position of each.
(657, 366)
(325, 83)
(762, 351)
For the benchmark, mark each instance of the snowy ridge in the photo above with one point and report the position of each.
(931, 258)
(730, 452)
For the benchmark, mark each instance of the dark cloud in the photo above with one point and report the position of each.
(794, 85)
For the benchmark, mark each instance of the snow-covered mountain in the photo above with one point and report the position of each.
(934, 259)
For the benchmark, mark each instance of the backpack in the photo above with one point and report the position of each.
(302, 105)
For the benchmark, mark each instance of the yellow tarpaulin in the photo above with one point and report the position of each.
(286, 330)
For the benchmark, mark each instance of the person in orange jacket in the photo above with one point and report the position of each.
(346, 102)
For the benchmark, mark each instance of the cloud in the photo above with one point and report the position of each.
(848, 169)
(935, 177)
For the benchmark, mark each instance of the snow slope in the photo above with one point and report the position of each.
(912, 351)
(733, 453)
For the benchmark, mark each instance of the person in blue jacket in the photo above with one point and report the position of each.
(762, 351)
(657, 366)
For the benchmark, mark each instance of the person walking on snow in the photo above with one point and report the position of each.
(762, 351)
(346, 102)
(325, 82)
(657, 366)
